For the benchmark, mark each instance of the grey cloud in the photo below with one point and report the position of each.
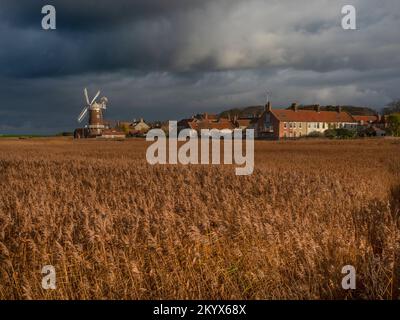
(93, 15)
(167, 59)
(201, 36)
(50, 103)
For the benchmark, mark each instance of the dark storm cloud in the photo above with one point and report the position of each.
(91, 36)
(181, 36)
(168, 58)
(89, 14)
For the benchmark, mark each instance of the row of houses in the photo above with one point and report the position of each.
(121, 129)
(133, 128)
(295, 122)
(288, 123)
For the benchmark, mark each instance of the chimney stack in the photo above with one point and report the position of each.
(295, 107)
(268, 106)
(339, 109)
(318, 108)
(206, 116)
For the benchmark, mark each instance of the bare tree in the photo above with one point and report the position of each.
(393, 107)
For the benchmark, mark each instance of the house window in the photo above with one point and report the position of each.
(294, 125)
(309, 125)
(290, 124)
(300, 125)
(285, 125)
(323, 125)
(317, 125)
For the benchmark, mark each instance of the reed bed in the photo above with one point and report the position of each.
(115, 227)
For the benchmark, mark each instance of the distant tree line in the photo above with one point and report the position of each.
(393, 107)
(393, 112)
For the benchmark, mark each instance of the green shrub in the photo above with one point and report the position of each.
(343, 133)
(394, 124)
(330, 133)
(315, 134)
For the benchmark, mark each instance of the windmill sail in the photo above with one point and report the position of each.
(86, 96)
(83, 114)
(95, 97)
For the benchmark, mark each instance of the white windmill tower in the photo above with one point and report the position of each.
(95, 110)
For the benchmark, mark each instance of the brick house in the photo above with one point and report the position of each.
(206, 121)
(295, 123)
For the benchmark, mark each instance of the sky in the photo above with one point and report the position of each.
(169, 59)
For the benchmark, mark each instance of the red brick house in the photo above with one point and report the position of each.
(206, 121)
(296, 123)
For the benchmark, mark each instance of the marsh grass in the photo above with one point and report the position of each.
(115, 227)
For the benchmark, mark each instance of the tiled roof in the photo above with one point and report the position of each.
(198, 125)
(243, 122)
(185, 122)
(366, 118)
(203, 116)
(212, 117)
(312, 116)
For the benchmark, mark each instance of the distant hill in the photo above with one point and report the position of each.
(257, 110)
(246, 112)
(357, 111)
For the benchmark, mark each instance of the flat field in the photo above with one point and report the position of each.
(115, 227)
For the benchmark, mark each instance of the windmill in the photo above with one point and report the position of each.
(95, 111)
